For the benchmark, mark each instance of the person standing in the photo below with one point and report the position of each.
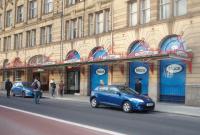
(36, 89)
(138, 86)
(8, 86)
(61, 87)
(53, 87)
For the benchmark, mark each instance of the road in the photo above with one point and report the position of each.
(153, 123)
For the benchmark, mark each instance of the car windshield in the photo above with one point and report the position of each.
(127, 90)
(26, 84)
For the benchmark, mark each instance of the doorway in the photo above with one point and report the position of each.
(73, 82)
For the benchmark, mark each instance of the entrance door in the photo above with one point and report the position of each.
(139, 70)
(98, 73)
(73, 82)
(172, 81)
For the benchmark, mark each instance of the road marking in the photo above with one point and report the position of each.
(64, 121)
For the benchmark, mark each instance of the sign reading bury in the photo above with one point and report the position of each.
(174, 68)
(140, 70)
(100, 71)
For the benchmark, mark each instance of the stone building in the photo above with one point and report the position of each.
(68, 39)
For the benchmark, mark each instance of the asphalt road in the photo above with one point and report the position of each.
(153, 123)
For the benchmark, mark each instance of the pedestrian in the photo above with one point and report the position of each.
(61, 87)
(53, 87)
(138, 86)
(37, 90)
(8, 86)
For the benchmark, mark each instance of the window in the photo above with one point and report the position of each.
(91, 24)
(164, 9)
(48, 6)
(99, 22)
(18, 41)
(145, 11)
(31, 38)
(72, 2)
(74, 28)
(18, 75)
(46, 36)
(1, 22)
(8, 18)
(1, 3)
(7, 44)
(80, 27)
(107, 20)
(180, 7)
(133, 13)
(19, 14)
(32, 9)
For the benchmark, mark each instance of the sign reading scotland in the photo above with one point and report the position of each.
(172, 72)
(98, 73)
(139, 70)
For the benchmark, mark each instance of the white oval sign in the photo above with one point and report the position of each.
(140, 70)
(174, 68)
(100, 71)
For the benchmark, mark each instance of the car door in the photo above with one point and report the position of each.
(115, 97)
(103, 94)
(19, 88)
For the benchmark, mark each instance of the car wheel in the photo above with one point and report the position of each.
(13, 94)
(94, 103)
(23, 94)
(127, 107)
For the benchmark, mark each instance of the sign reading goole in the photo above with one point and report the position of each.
(174, 68)
(100, 71)
(140, 70)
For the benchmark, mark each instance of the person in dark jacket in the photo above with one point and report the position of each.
(138, 86)
(8, 86)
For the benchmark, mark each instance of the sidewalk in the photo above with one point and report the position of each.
(160, 107)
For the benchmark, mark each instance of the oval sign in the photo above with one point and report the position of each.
(140, 70)
(174, 68)
(100, 71)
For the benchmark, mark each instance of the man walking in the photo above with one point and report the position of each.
(53, 87)
(8, 86)
(36, 89)
(138, 86)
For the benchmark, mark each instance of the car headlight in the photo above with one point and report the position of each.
(137, 100)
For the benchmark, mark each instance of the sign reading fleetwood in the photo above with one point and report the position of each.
(100, 71)
(140, 70)
(174, 68)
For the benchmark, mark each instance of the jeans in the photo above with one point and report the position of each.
(37, 95)
(52, 91)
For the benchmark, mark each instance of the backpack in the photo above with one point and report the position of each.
(35, 85)
(54, 85)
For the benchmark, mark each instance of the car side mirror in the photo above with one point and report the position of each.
(118, 93)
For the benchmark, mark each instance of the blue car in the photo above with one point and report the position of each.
(23, 89)
(120, 96)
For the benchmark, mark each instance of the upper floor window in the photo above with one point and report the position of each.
(18, 41)
(31, 38)
(9, 18)
(46, 35)
(32, 9)
(103, 21)
(145, 11)
(99, 22)
(180, 7)
(19, 14)
(74, 28)
(164, 9)
(91, 24)
(1, 21)
(133, 13)
(48, 6)
(72, 2)
(7, 44)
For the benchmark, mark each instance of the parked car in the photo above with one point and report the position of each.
(121, 96)
(23, 89)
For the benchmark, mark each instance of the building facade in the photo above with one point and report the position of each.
(35, 34)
